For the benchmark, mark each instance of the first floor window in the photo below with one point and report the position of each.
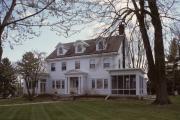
(99, 83)
(62, 84)
(58, 84)
(93, 83)
(105, 83)
(53, 84)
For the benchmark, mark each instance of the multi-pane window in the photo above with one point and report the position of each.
(93, 83)
(53, 67)
(106, 63)
(99, 83)
(105, 83)
(63, 66)
(124, 84)
(53, 84)
(92, 64)
(77, 64)
(58, 84)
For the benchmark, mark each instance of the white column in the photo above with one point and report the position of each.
(137, 85)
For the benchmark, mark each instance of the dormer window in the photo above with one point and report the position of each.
(79, 48)
(100, 45)
(60, 50)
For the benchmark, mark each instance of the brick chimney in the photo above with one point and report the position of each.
(122, 33)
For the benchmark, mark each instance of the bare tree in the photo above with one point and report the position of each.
(147, 16)
(22, 19)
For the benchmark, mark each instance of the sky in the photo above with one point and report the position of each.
(46, 42)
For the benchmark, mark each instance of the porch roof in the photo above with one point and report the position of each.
(126, 70)
(75, 72)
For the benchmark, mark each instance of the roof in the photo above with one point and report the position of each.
(113, 44)
(73, 72)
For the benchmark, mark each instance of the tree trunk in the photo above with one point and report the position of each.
(161, 82)
(28, 90)
(1, 50)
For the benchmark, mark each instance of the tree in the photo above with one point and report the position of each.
(7, 78)
(30, 68)
(20, 19)
(147, 16)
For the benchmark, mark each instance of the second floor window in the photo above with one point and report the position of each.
(77, 64)
(92, 64)
(63, 66)
(106, 63)
(53, 67)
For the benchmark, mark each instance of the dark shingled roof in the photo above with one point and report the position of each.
(113, 44)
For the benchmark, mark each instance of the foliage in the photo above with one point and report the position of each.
(7, 78)
(30, 68)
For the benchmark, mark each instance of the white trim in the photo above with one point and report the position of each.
(83, 56)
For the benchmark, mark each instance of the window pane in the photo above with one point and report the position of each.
(79, 48)
(93, 83)
(53, 84)
(132, 81)
(120, 92)
(114, 92)
(132, 92)
(100, 45)
(105, 83)
(62, 84)
(60, 50)
(126, 82)
(126, 92)
(77, 64)
(114, 82)
(120, 82)
(53, 68)
(99, 83)
(58, 84)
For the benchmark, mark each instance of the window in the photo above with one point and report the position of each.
(119, 64)
(63, 66)
(92, 64)
(106, 63)
(53, 84)
(93, 83)
(58, 84)
(100, 45)
(79, 48)
(53, 67)
(62, 84)
(124, 84)
(77, 64)
(99, 83)
(105, 83)
(60, 50)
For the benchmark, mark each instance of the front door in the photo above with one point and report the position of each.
(74, 84)
(43, 86)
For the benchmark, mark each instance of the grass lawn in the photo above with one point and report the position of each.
(93, 110)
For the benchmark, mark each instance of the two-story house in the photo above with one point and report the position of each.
(96, 66)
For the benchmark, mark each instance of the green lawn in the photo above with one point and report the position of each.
(93, 110)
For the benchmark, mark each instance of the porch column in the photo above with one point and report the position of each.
(79, 86)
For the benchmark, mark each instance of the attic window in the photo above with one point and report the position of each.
(60, 50)
(79, 48)
(100, 45)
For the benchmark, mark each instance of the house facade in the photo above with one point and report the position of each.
(92, 67)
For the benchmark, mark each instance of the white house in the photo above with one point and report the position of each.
(98, 66)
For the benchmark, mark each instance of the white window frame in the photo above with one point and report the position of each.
(92, 64)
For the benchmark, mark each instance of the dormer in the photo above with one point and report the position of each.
(80, 46)
(101, 44)
(61, 49)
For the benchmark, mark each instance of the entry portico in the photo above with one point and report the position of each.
(75, 82)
